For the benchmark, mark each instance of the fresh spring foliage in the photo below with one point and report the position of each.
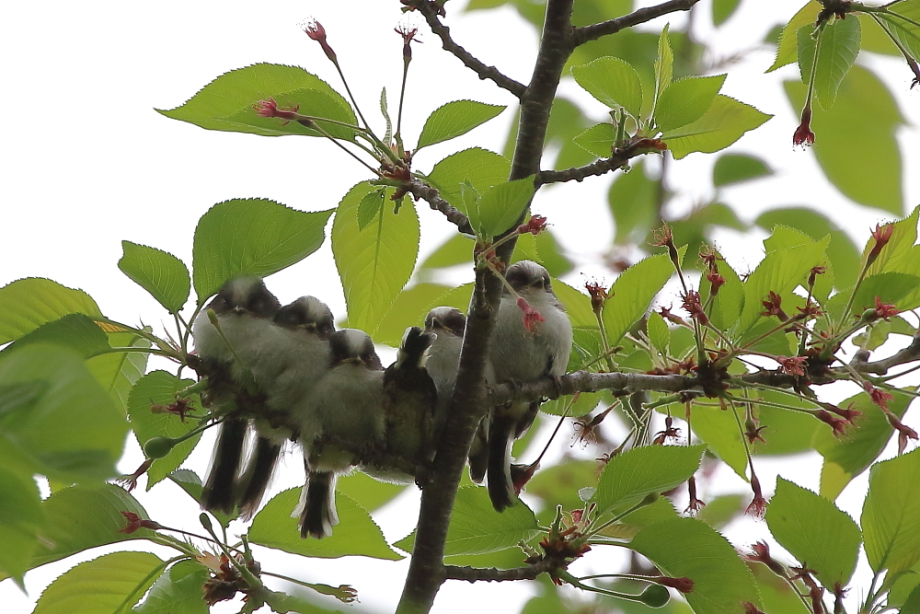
(738, 367)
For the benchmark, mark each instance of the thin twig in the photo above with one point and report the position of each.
(474, 574)
(612, 26)
(578, 173)
(477, 66)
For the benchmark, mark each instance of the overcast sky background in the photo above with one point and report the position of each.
(89, 163)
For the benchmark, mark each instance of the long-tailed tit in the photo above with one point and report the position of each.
(532, 338)
(449, 324)
(343, 419)
(409, 401)
(244, 309)
(296, 355)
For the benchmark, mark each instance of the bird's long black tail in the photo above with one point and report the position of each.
(258, 475)
(218, 493)
(501, 490)
(319, 508)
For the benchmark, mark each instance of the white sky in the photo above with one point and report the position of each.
(88, 163)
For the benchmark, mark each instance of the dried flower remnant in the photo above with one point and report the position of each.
(669, 432)
(752, 431)
(803, 136)
(408, 36)
(135, 522)
(878, 397)
(691, 303)
(792, 365)
(535, 225)
(531, 317)
(885, 310)
(761, 554)
(683, 584)
(695, 504)
(758, 503)
(269, 108)
(317, 32)
(598, 295)
(881, 235)
(837, 424)
(773, 306)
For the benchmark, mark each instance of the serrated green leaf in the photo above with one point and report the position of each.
(722, 10)
(719, 430)
(409, 309)
(898, 255)
(26, 304)
(369, 208)
(384, 110)
(101, 586)
(455, 118)
(658, 333)
(458, 249)
(355, 535)
(779, 272)
(632, 293)
(160, 273)
(815, 532)
(116, 372)
(67, 428)
(80, 518)
(633, 201)
(251, 237)
(21, 522)
(848, 457)
(158, 388)
(891, 514)
(177, 591)
(786, 51)
(226, 103)
(863, 161)
(664, 66)
(495, 210)
(476, 528)
(725, 122)
(597, 140)
(374, 263)
(735, 168)
(477, 167)
(367, 492)
(613, 82)
(837, 46)
(907, 33)
(727, 303)
(75, 331)
(686, 100)
(631, 475)
(686, 547)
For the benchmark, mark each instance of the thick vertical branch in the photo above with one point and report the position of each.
(469, 403)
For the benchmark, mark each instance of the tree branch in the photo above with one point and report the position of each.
(423, 191)
(880, 367)
(474, 574)
(447, 43)
(470, 402)
(612, 26)
(578, 173)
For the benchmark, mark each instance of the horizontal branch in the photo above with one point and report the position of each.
(612, 26)
(880, 367)
(577, 173)
(423, 191)
(474, 574)
(443, 32)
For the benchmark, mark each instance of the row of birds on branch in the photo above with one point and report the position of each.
(278, 373)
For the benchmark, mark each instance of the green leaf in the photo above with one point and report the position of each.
(477, 167)
(455, 118)
(658, 333)
(177, 591)
(725, 122)
(409, 309)
(631, 475)
(686, 547)
(116, 372)
(367, 492)
(722, 10)
(780, 271)
(837, 46)
(226, 103)
(891, 514)
(735, 168)
(476, 528)
(863, 160)
(21, 521)
(75, 331)
(727, 304)
(899, 254)
(101, 586)
(597, 140)
(458, 249)
(815, 532)
(384, 110)
(158, 388)
(369, 207)
(65, 426)
(500, 207)
(355, 535)
(251, 237)
(846, 458)
(664, 66)
(686, 100)
(79, 518)
(905, 32)
(632, 293)
(26, 304)
(633, 199)
(786, 51)
(376, 262)
(160, 273)
(719, 430)
(613, 82)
